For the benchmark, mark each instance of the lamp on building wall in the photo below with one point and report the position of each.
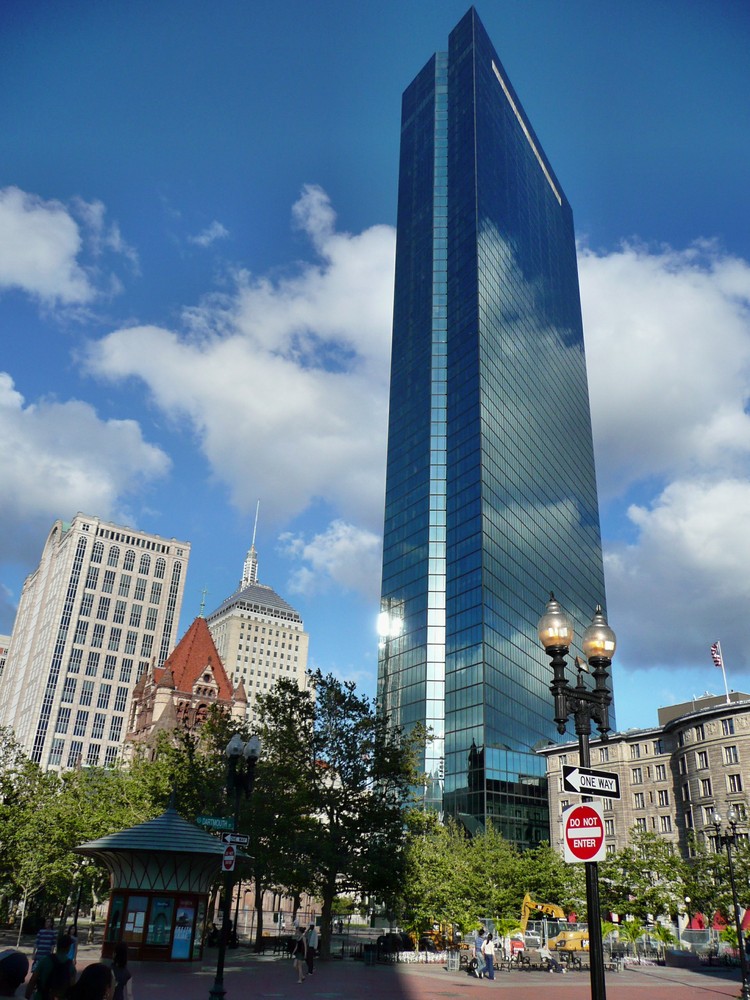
(584, 704)
(728, 839)
(239, 779)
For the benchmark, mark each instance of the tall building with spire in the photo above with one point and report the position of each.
(491, 497)
(258, 635)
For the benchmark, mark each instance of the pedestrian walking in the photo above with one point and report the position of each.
(488, 950)
(53, 975)
(478, 955)
(311, 942)
(299, 954)
(46, 939)
(122, 975)
(73, 935)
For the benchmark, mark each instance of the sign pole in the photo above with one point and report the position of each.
(596, 944)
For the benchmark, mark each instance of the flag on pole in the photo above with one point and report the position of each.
(719, 662)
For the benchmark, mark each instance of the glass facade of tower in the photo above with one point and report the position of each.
(491, 493)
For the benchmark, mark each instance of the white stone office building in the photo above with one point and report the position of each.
(4, 645)
(671, 777)
(103, 603)
(259, 636)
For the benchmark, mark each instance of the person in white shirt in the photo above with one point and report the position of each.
(488, 950)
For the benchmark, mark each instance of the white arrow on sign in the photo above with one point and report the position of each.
(586, 782)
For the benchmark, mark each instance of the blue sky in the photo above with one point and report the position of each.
(197, 205)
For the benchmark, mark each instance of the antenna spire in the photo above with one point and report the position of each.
(250, 569)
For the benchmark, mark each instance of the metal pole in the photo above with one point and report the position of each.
(596, 945)
(217, 991)
(745, 992)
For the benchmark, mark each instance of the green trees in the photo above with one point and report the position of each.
(645, 878)
(346, 782)
(631, 931)
(452, 878)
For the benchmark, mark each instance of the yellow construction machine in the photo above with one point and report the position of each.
(564, 940)
(529, 906)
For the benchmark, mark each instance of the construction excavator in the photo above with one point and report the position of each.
(528, 906)
(566, 940)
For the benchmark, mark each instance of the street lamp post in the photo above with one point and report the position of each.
(728, 839)
(687, 919)
(239, 779)
(584, 705)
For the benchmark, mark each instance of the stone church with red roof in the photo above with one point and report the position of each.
(179, 694)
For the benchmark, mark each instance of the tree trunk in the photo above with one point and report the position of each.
(259, 913)
(326, 917)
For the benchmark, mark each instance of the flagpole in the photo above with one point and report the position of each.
(723, 671)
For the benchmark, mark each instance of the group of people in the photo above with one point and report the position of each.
(304, 950)
(54, 975)
(483, 953)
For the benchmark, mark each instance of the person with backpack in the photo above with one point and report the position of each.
(479, 954)
(54, 975)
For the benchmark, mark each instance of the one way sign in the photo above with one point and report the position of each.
(584, 781)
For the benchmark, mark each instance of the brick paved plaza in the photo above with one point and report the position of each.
(248, 977)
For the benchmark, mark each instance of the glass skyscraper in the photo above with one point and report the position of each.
(491, 494)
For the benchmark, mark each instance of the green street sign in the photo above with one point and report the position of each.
(215, 822)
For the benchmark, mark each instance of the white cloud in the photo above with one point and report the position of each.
(284, 382)
(39, 244)
(60, 457)
(685, 582)
(343, 553)
(209, 235)
(101, 234)
(668, 349)
(43, 248)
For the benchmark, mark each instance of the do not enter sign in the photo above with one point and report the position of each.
(583, 833)
(229, 858)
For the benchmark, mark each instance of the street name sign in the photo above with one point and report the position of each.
(229, 858)
(215, 822)
(583, 833)
(584, 781)
(242, 839)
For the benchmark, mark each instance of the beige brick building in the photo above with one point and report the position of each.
(672, 777)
